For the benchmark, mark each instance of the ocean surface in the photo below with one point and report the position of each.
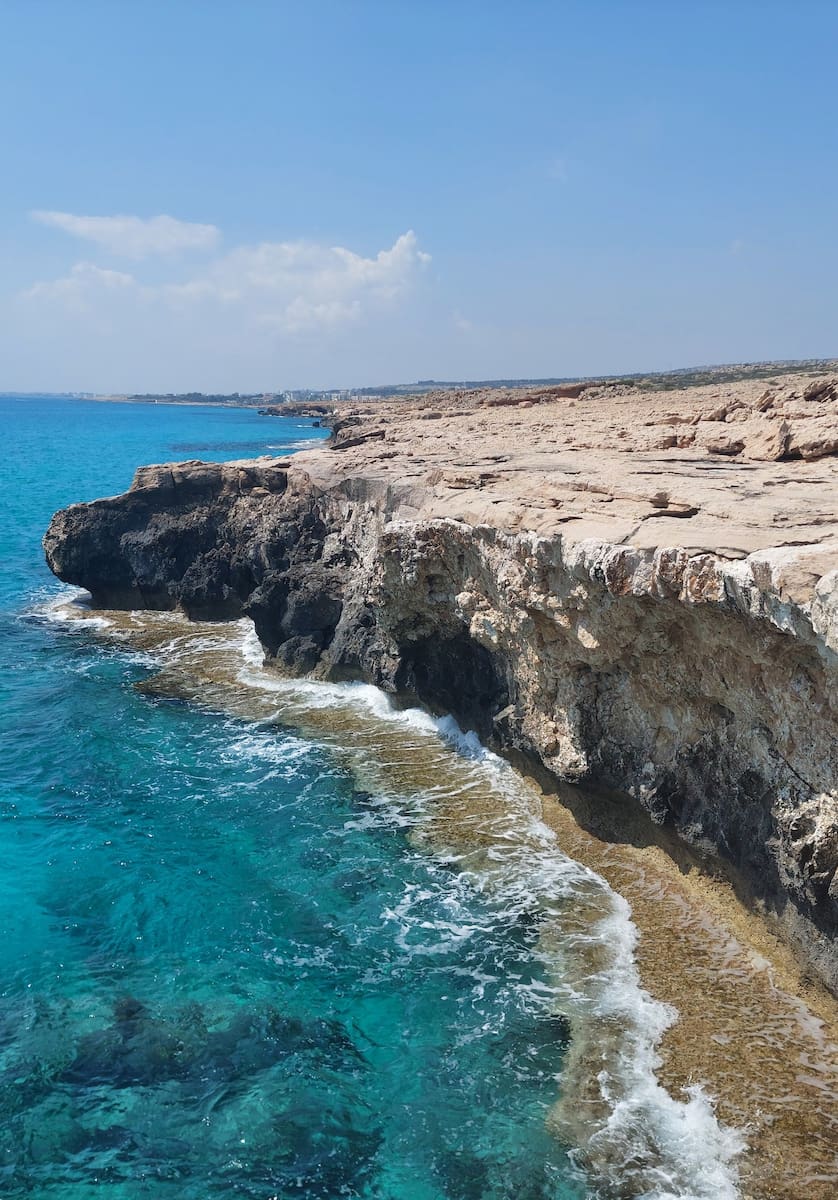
(270, 939)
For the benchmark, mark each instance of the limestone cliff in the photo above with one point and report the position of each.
(695, 672)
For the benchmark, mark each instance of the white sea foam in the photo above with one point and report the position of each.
(249, 644)
(671, 1149)
(267, 747)
(283, 755)
(297, 444)
(69, 604)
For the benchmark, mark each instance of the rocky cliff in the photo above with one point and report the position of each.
(662, 622)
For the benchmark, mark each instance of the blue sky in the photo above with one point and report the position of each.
(370, 192)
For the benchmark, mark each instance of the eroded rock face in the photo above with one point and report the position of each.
(703, 688)
(175, 539)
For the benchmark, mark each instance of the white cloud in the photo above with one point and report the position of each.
(134, 237)
(85, 282)
(302, 315)
(274, 308)
(296, 285)
(284, 287)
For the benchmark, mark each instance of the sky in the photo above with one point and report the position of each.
(251, 196)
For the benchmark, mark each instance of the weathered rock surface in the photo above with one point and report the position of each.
(582, 580)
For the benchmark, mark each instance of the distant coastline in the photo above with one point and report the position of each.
(676, 378)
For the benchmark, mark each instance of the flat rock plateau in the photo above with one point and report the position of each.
(627, 589)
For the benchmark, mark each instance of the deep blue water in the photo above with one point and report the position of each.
(217, 977)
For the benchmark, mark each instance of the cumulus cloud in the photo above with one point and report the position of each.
(292, 286)
(84, 282)
(286, 288)
(134, 237)
(302, 315)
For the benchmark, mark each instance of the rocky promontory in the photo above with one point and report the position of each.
(636, 590)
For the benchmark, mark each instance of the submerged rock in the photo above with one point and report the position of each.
(142, 1050)
(312, 1139)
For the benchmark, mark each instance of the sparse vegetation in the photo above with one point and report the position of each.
(730, 373)
(201, 397)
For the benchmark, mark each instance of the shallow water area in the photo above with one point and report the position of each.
(233, 975)
(476, 825)
(764, 1040)
(770, 1061)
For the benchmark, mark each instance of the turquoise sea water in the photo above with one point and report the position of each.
(224, 970)
(271, 939)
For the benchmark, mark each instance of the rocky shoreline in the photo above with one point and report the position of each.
(635, 592)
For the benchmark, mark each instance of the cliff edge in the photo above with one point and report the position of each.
(639, 590)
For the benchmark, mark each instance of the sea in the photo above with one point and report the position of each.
(274, 938)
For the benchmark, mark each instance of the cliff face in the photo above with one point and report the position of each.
(705, 687)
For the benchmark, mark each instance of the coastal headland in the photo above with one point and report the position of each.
(635, 591)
